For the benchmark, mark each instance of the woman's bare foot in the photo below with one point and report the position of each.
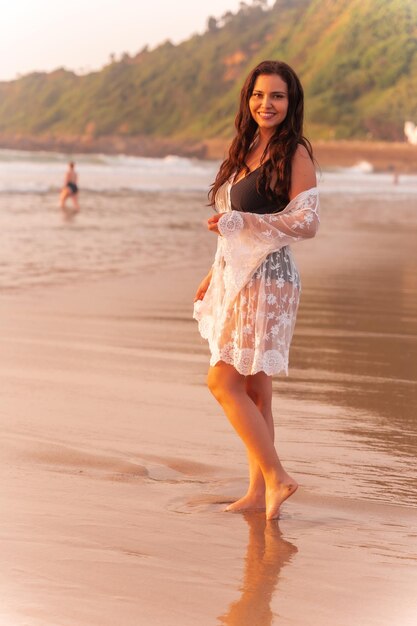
(249, 502)
(277, 494)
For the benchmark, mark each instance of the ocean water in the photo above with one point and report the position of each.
(136, 212)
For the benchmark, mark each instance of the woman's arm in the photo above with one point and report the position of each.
(303, 173)
(300, 222)
(203, 286)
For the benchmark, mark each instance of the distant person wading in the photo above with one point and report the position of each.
(70, 188)
(266, 197)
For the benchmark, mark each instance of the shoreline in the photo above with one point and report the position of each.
(383, 156)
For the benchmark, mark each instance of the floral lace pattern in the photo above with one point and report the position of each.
(232, 221)
(248, 313)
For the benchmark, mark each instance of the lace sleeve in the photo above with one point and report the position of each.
(248, 238)
(299, 220)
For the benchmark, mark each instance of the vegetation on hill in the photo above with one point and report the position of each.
(357, 60)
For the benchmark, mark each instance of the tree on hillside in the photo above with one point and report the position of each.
(226, 18)
(212, 25)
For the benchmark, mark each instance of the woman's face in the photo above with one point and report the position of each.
(268, 103)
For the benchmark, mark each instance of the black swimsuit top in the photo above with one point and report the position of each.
(245, 197)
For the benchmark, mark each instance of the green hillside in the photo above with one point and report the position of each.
(357, 60)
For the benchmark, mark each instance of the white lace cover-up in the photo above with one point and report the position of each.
(249, 310)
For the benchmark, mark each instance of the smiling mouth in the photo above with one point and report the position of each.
(266, 115)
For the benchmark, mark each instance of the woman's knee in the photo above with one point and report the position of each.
(223, 383)
(214, 383)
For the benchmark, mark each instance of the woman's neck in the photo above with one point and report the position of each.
(264, 135)
(262, 139)
(259, 146)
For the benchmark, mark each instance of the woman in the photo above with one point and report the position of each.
(70, 188)
(266, 196)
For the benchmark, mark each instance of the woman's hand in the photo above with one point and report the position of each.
(212, 223)
(202, 287)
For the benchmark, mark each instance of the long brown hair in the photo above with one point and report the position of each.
(275, 173)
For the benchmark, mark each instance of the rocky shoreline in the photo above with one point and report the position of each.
(111, 144)
(383, 156)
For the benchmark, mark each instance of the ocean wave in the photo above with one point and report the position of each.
(33, 172)
(41, 172)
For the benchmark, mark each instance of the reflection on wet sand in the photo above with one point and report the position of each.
(68, 214)
(354, 358)
(267, 552)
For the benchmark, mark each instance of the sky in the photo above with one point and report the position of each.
(80, 35)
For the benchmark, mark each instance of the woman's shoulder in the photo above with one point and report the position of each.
(301, 152)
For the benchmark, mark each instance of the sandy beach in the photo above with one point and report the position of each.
(117, 463)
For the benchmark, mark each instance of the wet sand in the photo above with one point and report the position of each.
(117, 462)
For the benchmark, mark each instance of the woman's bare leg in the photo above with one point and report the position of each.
(74, 198)
(259, 389)
(63, 197)
(229, 388)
